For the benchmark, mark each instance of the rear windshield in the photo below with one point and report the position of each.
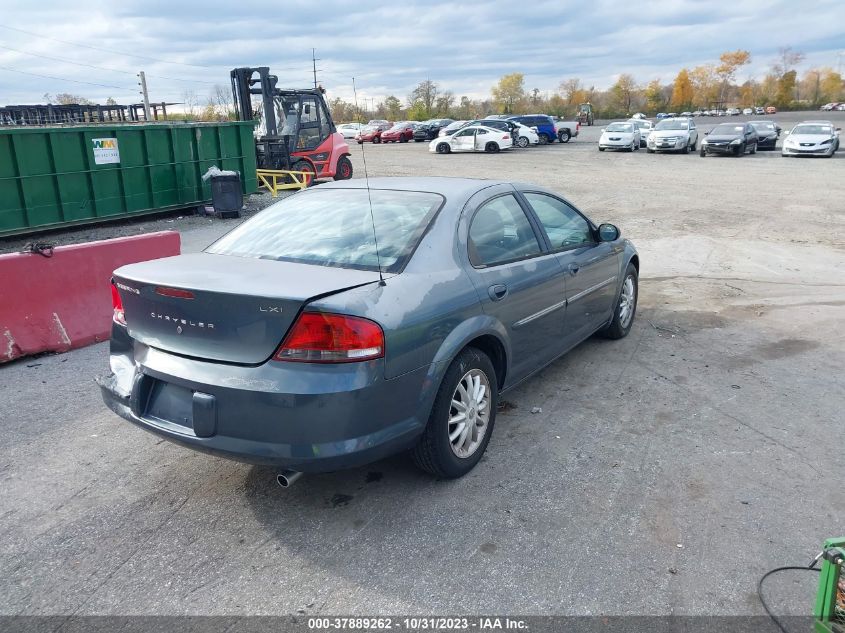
(334, 227)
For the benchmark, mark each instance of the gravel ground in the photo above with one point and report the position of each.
(665, 473)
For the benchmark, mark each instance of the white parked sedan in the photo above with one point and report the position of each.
(812, 138)
(620, 135)
(526, 135)
(474, 138)
(349, 130)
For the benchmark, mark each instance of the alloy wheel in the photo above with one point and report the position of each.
(469, 413)
(627, 301)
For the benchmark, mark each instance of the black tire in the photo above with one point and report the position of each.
(753, 149)
(360, 142)
(601, 149)
(344, 168)
(402, 139)
(740, 151)
(304, 165)
(443, 148)
(491, 148)
(563, 136)
(376, 140)
(418, 140)
(616, 329)
(433, 452)
(523, 141)
(692, 148)
(649, 150)
(702, 153)
(544, 138)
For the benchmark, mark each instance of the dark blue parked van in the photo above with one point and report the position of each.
(544, 124)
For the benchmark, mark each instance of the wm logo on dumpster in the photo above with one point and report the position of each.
(106, 151)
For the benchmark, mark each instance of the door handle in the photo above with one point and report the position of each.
(497, 292)
(573, 269)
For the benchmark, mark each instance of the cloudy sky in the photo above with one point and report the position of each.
(390, 46)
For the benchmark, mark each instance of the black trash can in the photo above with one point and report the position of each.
(227, 196)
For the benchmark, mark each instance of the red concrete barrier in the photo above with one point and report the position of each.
(63, 302)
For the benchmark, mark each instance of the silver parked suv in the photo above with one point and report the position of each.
(673, 135)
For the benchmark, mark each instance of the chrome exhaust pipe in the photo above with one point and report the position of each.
(287, 478)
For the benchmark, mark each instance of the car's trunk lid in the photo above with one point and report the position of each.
(221, 307)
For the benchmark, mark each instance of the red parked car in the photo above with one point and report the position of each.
(400, 133)
(372, 133)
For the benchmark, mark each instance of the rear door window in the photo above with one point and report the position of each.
(500, 232)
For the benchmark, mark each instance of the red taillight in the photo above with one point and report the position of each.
(319, 337)
(117, 304)
(506, 137)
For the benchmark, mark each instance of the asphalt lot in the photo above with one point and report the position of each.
(665, 473)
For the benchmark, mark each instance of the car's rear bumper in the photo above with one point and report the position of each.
(298, 416)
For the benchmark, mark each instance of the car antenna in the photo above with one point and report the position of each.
(367, 183)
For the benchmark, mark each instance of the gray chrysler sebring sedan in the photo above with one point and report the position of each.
(346, 323)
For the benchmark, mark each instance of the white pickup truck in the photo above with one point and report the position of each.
(566, 130)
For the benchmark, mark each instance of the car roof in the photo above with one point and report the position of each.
(445, 185)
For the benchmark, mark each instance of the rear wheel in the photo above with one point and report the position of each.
(344, 168)
(522, 141)
(377, 139)
(443, 148)
(753, 149)
(563, 136)
(403, 139)
(462, 418)
(491, 148)
(626, 306)
(544, 138)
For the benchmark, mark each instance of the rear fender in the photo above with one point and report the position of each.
(463, 334)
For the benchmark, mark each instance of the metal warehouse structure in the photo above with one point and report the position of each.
(52, 114)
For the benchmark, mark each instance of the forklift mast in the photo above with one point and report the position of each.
(243, 87)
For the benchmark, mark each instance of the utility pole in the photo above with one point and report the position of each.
(143, 83)
(314, 61)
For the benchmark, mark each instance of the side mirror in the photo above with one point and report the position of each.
(706, 133)
(608, 232)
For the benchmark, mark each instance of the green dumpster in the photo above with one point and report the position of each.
(58, 176)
